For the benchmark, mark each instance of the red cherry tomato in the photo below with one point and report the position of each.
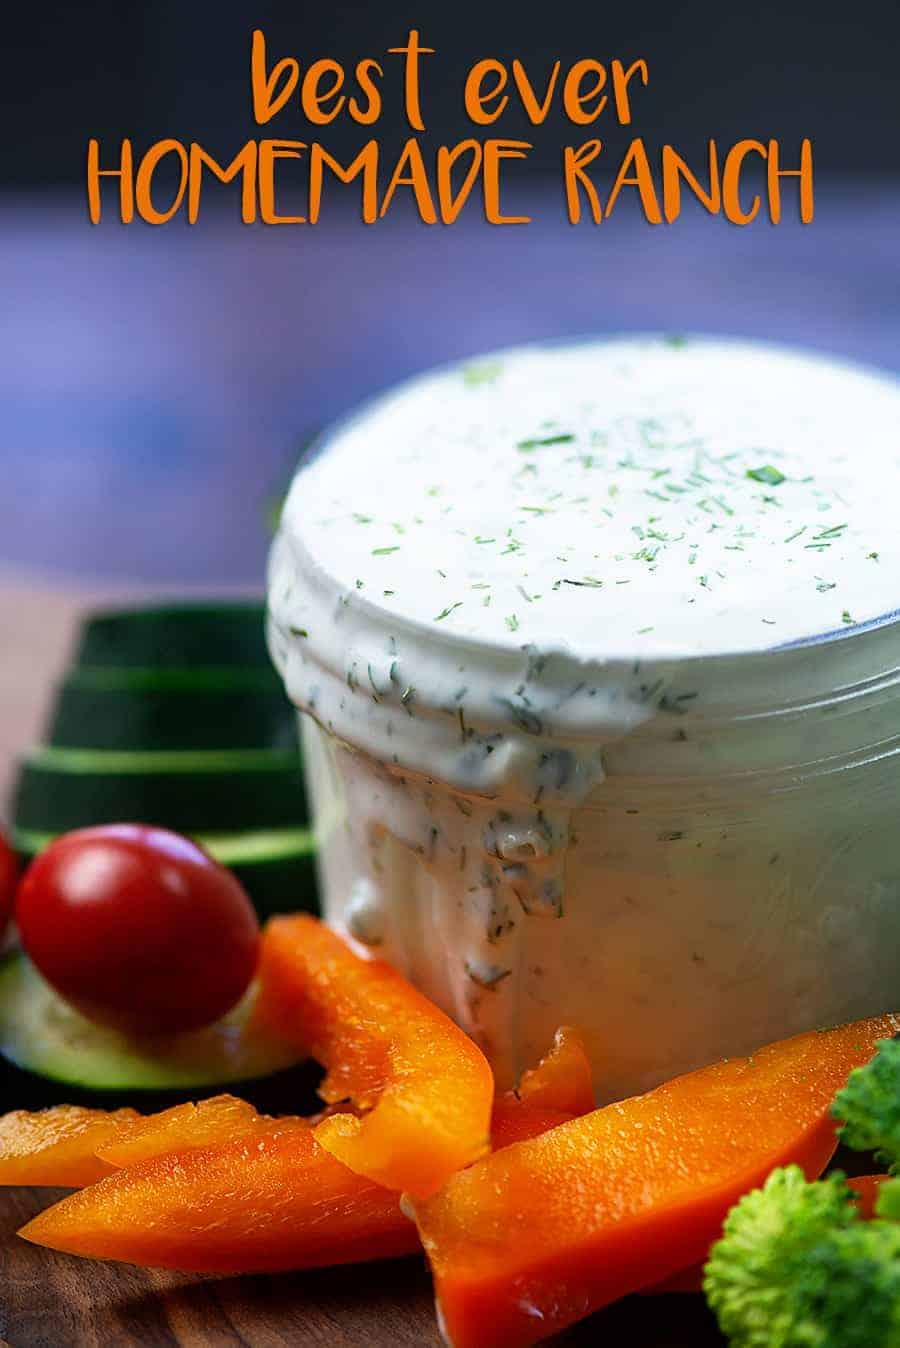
(138, 928)
(9, 872)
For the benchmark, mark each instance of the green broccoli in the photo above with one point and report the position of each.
(869, 1105)
(796, 1268)
(869, 1110)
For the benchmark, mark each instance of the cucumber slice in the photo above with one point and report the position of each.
(146, 718)
(41, 1034)
(202, 678)
(177, 635)
(196, 792)
(277, 868)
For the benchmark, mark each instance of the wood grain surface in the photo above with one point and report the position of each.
(53, 1301)
(56, 1301)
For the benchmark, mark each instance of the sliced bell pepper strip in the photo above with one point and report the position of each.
(58, 1146)
(562, 1079)
(219, 1119)
(557, 1090)
(425, 1087)
(264, 1202)
(69, 1147)
(865, 1187)
(542, 1233)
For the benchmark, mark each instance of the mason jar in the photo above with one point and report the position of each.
(684, 854)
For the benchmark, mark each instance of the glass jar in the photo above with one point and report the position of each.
(536, 810)
(686, 859)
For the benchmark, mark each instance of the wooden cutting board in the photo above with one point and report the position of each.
(55, 1301)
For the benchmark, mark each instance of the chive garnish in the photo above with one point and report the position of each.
(769, 476)
(538, 442)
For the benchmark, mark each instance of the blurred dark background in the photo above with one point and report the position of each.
(156, 382)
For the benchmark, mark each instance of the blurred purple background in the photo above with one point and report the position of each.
(156, 383)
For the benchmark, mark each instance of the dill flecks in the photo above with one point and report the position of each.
(445, 613)
(512, 623)
(769, 476)
(538, 442)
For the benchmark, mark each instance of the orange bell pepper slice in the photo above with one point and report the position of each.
(866, 1188)
(58, 1146)
(219, 1119)
(272, 1198)
(424, 1087)
(542, 1233)
(558, 1089)
(69, 1147)
(267, 1202)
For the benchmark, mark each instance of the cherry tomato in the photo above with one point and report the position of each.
(138, 928)
(9, 872)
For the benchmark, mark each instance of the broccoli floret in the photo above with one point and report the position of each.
(869, 1104)
(796, 1268)
(887, 1204)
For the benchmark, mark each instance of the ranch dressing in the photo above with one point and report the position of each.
(589, 637)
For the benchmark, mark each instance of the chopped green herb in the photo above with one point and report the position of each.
(445, 613)
(539, 442)
(768, 475)
(383, 552)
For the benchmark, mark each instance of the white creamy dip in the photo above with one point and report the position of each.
(573, 754)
